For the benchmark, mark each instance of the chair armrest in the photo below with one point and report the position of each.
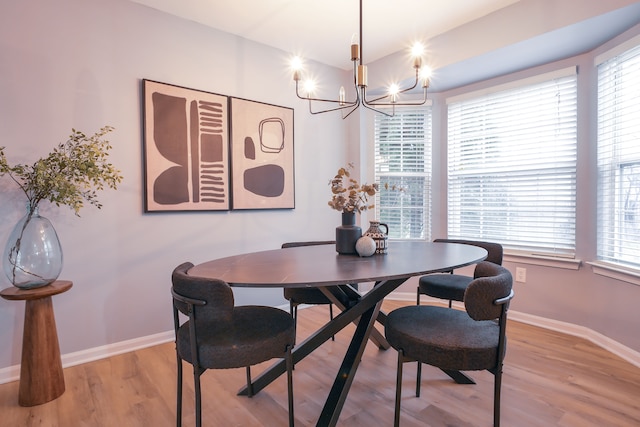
(504, 300)
(187, 300)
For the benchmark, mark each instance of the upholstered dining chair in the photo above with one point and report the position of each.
(218, 335)
(310, 295)
(452, 339)
(451, 286)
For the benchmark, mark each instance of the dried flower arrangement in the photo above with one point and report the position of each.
(348, 194)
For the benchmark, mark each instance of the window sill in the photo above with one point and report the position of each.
(615, 271)
(542, 260)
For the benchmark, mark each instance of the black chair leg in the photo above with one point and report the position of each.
(196, 384)
(496, 398)
(179, 393)
(418, 378)
(289, 363)
(396, 417)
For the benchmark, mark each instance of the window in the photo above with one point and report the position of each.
(403, 159)
(619, 156)
(512, 155)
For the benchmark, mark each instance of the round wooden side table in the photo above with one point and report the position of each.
(41, 377)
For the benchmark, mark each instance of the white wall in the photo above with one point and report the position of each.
(79, 63)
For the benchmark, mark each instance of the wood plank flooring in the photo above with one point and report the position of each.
(550, 379)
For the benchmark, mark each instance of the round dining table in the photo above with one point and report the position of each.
(335, 275)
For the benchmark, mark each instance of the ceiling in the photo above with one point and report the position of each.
(322, 30)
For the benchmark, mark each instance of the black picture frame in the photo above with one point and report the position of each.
(262, 155)
(186, 149)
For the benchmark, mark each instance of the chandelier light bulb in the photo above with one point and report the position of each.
(296, 66)
(296, 63)
(355, 48)
(425, 76)
(309, 87)
(416, 53)
(394, 89)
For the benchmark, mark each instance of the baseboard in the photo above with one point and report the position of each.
(12, 373)
(596, 338)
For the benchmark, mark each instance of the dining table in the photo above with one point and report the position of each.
(335, 275)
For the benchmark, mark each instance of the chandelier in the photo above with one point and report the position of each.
(390, 99)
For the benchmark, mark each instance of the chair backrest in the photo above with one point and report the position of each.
(494, 250)
(310, 243)
(216, 294)
(491, 283)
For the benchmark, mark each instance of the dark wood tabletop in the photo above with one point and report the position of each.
(312, 265)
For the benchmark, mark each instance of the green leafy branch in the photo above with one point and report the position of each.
(70, 175)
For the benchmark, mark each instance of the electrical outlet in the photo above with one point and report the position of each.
(521, 275)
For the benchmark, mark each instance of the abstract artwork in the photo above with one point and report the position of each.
(186, 149)
(261, 155)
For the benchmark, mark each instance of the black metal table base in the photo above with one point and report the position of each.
(364, 311)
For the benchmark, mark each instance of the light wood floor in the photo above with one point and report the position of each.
(550, 380)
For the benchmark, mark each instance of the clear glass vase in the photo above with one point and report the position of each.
(33, 255)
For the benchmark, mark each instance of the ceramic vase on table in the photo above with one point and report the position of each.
(33, 254)
(378, 235)
(347, 234)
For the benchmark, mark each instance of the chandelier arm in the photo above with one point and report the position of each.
(308, 98)
(367, 101)
(353, 105)
(380, 111)
(372, 108)
(342, 107)
(358, 103)
(346, 104)
(372, 101)
(349, 113)
(399, 104)
(412, 87)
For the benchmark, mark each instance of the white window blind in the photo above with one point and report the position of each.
(619, 158)
(403, 159)
(512, 165)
